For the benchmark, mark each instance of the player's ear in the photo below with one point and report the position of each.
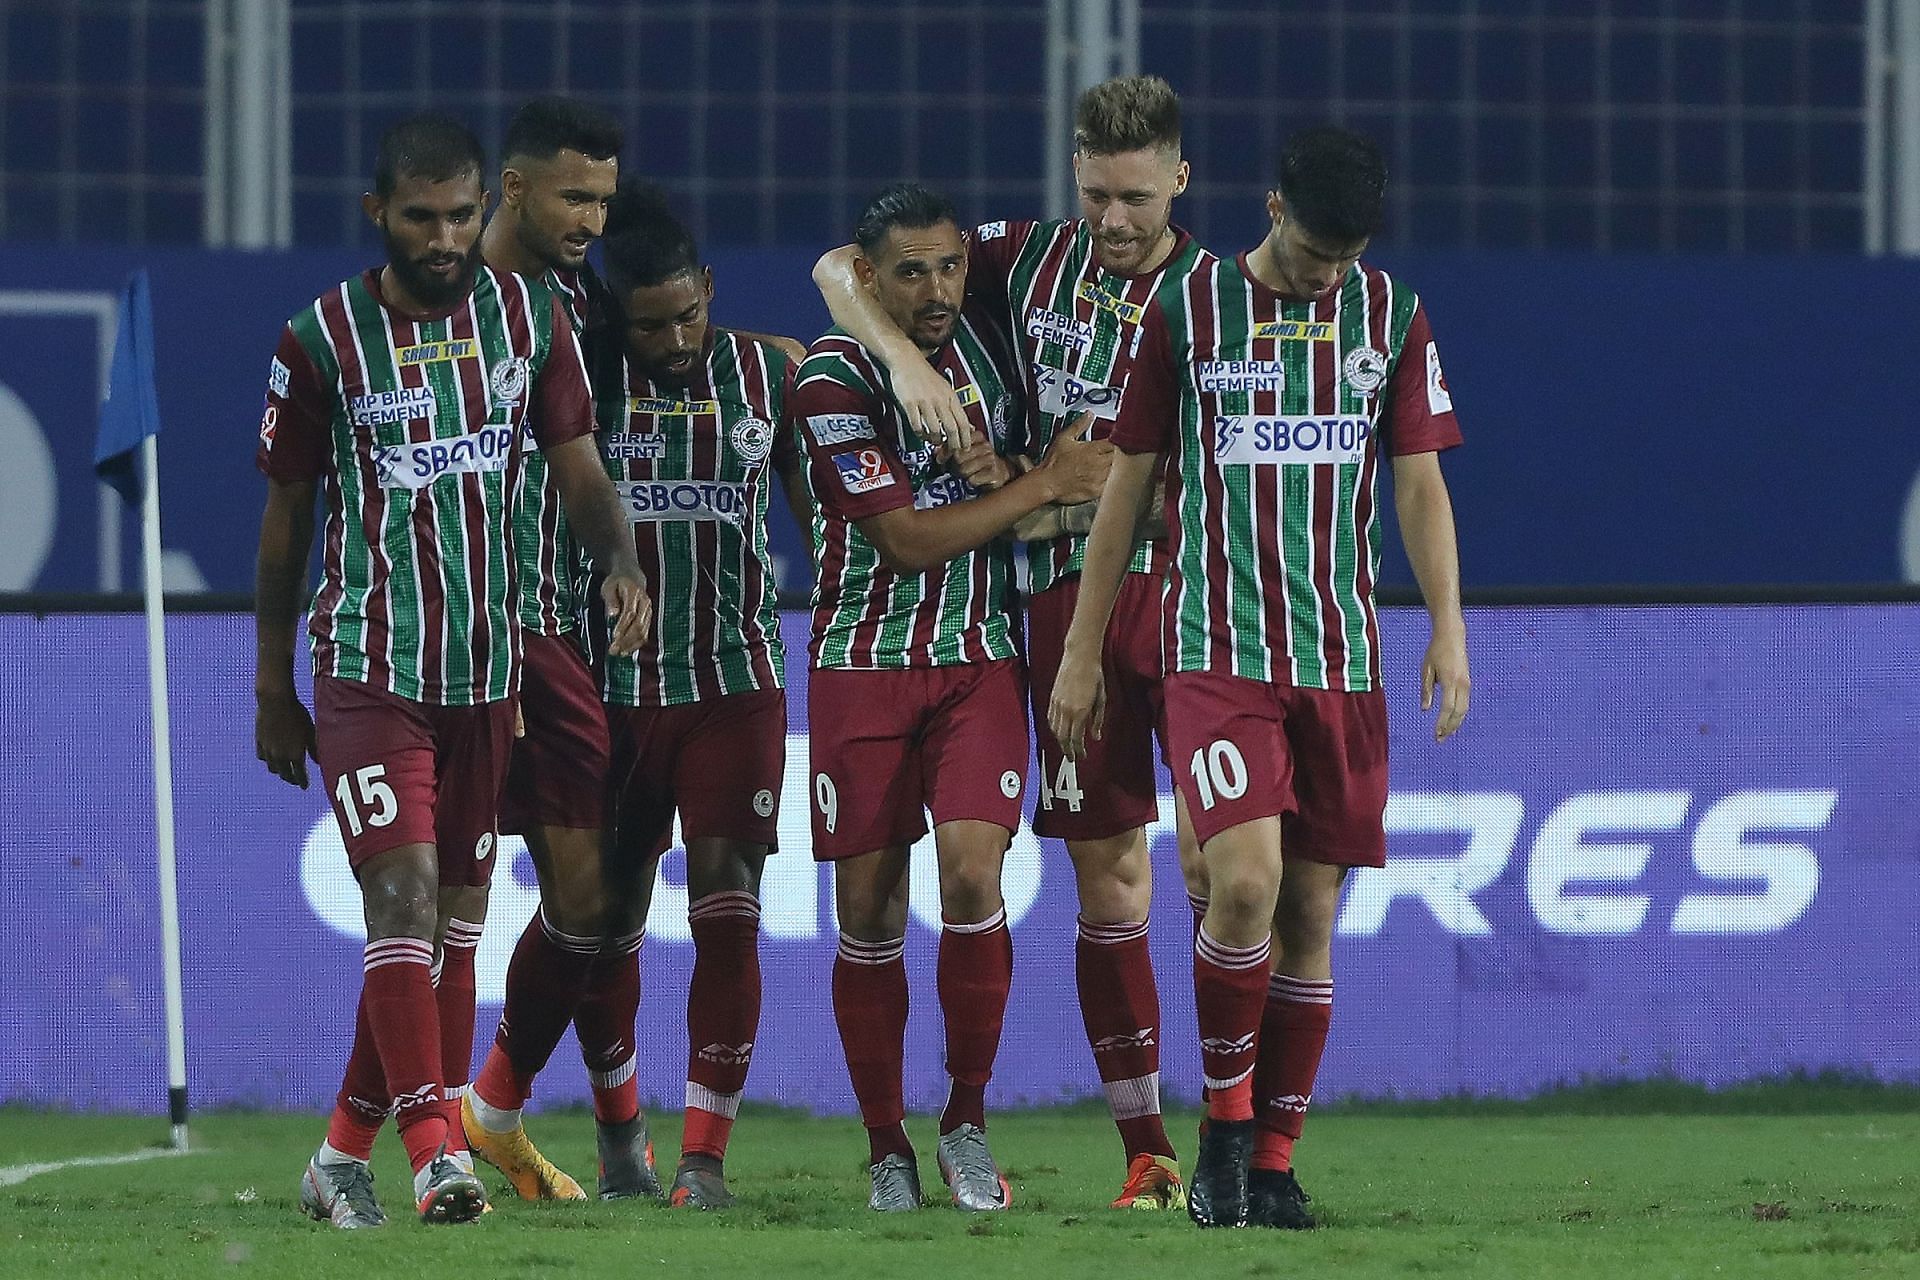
(1181, 173)
(1276, 207)
(706, 283)
(373, 206)
(863, 270)
(512, 184)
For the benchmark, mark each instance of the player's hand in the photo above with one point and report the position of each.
(519, 721)
(931, 405)
(283, 736)
(977, 464)
(629, 613)
(1076, 465)
(1446, 666)
(1078, 708)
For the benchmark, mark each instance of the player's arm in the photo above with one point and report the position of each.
(1418, 422)
(293, 452)
(561, 411)
(1425, 509)
(928, 399)
(1078, 706)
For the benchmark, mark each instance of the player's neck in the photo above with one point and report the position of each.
(396, 295)
(501, 246)
(1162, 250)
(1265, 269)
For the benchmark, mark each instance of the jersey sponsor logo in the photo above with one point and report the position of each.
(1294, 330)
(269, 424)
(1439, 399)
(839, 428)
(752, 439)
(990, 230)
(278, 378)
(942, 491)
(509, 379)
(967, 395)
(1241, 375)
(387, 408)
(671, 408)
(1252, 439)
(416, 465)
(862, 471)
(1366, 370)
(1088, 291)
(435, 352)
(1051, 326)
(1063, 393)
(635, 446)
(650, 500)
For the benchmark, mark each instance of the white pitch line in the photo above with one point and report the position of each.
(13, 1175)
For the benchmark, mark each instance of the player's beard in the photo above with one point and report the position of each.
(545, 249)
(427, 288)
(930, 315)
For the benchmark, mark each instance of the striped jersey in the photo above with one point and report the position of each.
(413, 426)
(1273, 414)
(863, 460)
(540, 537)
(693, 465)
(1077, 329)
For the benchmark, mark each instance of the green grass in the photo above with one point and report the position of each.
(1793, 1178)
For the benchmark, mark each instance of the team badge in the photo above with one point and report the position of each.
(1366, 370)
(1009, 784)
(510, 379)
(279, 377)
(753, 441)
(763, 802)
(483, 847)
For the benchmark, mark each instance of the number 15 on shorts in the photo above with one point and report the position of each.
(376, 799)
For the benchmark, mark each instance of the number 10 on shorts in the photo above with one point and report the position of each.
(375, 795)
(1219, 773)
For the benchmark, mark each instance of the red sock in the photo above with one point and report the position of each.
(1229, 988)
(1198, 905)
(454, 995)
(723, 1016)
(1293, 1035)
(974, 974)
(870, 1007)
(1121, 1009)
(545, 982)
(405, 1022)
(363, 1103)
(604, 1020)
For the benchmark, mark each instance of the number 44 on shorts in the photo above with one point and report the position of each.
(375, 795)
(1065, 786)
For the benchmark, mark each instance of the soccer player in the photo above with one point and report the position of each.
(1273, 386)
(915, 700)
(404, 392)
(577, 959)
(1072, 292)
(692, 434)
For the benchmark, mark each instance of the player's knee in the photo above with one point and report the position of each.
(969, 893)
(1303, 923)
(401, 901)
(1114, 877)
(1242, 896)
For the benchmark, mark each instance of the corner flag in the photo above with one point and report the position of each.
(131, 411)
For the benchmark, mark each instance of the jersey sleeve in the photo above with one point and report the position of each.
(992, 249)
(853, 472)
(786, 447)
(1150, 399)
(1419, 409)
(562, 407)
(296, 424)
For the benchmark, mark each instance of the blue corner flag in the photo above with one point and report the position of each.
(131, 411)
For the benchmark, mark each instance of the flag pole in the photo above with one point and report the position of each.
(163, 790)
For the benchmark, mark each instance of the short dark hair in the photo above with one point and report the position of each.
(545, 127)
(904, 204)
(645, 243)
(1335, 182)
(432, 145)
(1131, 113)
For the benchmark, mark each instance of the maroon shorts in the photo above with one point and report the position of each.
(1317, 759)
(404, 772)
(559, 771)
(719, 762)
(888, 745)
(1111, 789)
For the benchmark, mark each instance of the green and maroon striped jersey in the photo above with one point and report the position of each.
(541, 540)
(864, 459)
(413, 426)
(693, 465)
(1272, 413)
(1077, 329)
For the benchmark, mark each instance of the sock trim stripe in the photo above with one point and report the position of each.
(380, 962)
(615, 1078)
(578, 945)
(455, 1092)
(1112, 934)
(1198, 903)
(997, 920)
(1225, 957)
(1217, 1085)
(1296, 991)
(701, 1098)
(856, 951)
(1132, 1099)
(463, 933)
(627, 944)
(382, 945)
(734, 902)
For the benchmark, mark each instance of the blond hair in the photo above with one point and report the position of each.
(1131, 113)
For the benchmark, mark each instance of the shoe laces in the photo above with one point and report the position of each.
(967, 1154)
(893, 1183)
(354, 1182)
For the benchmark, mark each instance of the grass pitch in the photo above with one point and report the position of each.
(1799, 1179)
